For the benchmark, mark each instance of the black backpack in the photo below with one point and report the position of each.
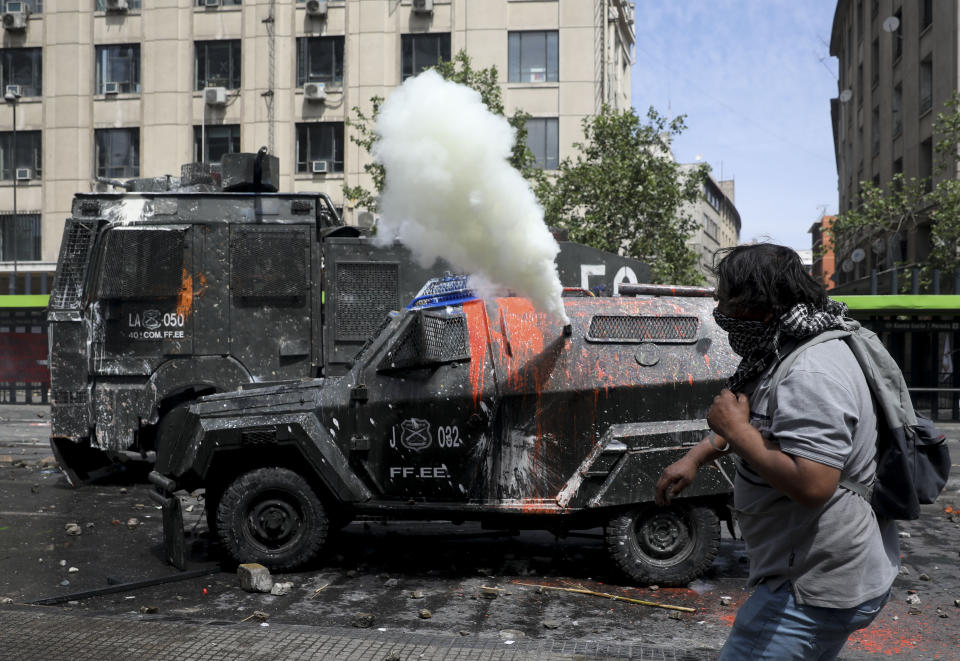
(913, 461)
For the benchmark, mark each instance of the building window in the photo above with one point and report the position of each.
(120, 66)
(533, 57)
(35, 6)
(101, 5)
(217, 64)
(225, 3)
(543, 141)
(897, 110)
(875, 62)
(23, 67)
(898, 36)
(926, 163)
(926, 84)
(422, 51)
(117, 152)
(710, 227)
(19, 237)
(320, 142)
(320, 60)
(859, 84)
(926, 14)
(28, 154)
(875, 130)
(221, 139)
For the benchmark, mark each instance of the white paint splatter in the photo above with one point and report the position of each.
(451, 193)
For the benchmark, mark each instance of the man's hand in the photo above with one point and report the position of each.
(729, 414)
(674, 479)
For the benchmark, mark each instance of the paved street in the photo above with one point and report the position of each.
(383, 590)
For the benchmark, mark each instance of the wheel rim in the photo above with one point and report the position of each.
(274, 521)
(664, 539)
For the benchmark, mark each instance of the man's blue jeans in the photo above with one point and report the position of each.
(771, 626)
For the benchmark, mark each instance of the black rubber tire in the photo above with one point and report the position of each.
(272, 516)
(666, 546)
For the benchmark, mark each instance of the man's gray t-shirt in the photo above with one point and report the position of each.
(836, 555)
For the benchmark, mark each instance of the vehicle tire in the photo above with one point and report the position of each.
(667, 546)
(271, 516)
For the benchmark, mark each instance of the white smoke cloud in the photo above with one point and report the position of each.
(451, 192)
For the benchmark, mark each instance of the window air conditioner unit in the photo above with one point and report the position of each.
(211, 3)
(318, 167)
(118, 6)
(111, 88)
(15, 16)
(422, 6)
(316, 8)
(315, 91)
(14, 91)
(24, 174)
(215, 96)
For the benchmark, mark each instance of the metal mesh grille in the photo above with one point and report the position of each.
(74, 255)
(259, 436)
(444, 338)
(269, 263)
(622, 328)
(365, 292)
(300, 207)
(142, 263)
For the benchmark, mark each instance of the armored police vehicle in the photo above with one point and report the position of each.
(175, 289)
(464, 409)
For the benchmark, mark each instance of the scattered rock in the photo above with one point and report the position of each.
(424, 614)
(6, 600)
(726, 601)
(941, 613)
(72, 570)
(904, 570)
(133, 522)
(362, 620)
(392, 656)
(464, 632)
(913, 599)
(63, 563)
(923, 577)
(653, 588)
(64, 582)
(511, 634)
(47, 462)
(489, 592)
(551, 624)
(254, 577)
(90, 524)
(676, 615)
(73, 529)
(281, 588)
(123, 490)
(148, 610)
(956, 603)
(904, 534)
(417, 594)
(392, 583)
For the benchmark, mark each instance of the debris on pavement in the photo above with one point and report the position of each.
(254, 577)
(281, 588)
(417, 594)
(148, 610)
(73, 529)
(320, 589)
(424, 614)
(363, 620)
(614, 597)
(726, 601)
(259, 616)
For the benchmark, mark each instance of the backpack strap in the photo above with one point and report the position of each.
(862, 490)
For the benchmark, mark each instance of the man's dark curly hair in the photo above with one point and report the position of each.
(765, 276)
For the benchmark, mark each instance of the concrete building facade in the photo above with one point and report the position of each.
(124, 88)
(718, 223)
(898, 64)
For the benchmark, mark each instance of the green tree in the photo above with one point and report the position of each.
(624, 193)
(459, 70)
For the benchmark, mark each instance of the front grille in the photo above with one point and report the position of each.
(72, 266)
(365, 293)
(444, 337)
(623, 328)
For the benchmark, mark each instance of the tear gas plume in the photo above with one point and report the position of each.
(451, 192)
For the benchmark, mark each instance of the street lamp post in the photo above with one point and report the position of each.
(11, 97)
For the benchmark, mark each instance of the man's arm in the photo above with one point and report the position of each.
(678, 475)
(807, 482)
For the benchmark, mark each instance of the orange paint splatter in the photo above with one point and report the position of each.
(477, 324)
(185, 297)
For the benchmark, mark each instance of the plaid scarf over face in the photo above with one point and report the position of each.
(758, 343)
